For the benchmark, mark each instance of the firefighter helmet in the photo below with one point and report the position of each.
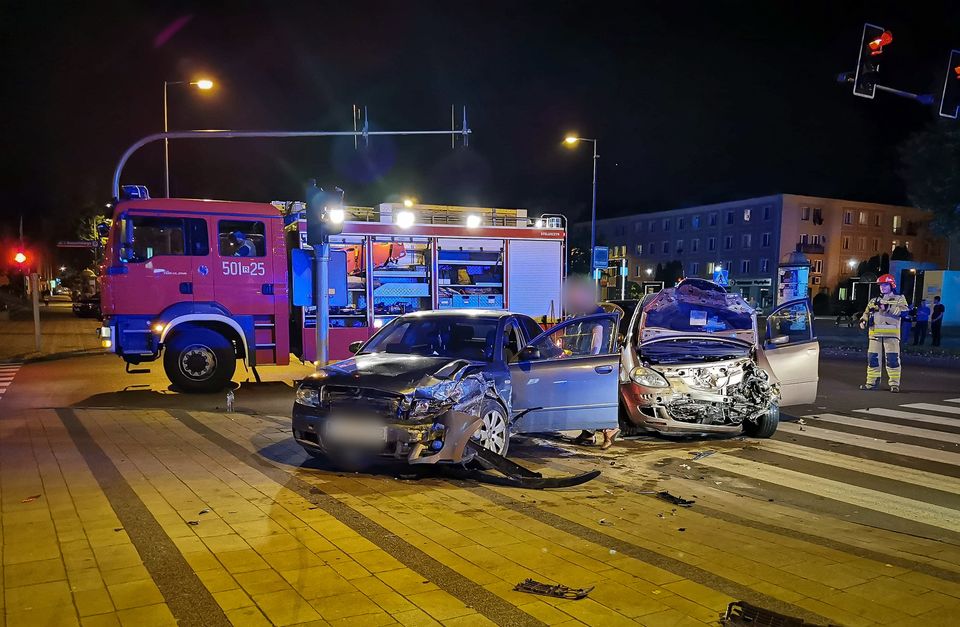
(887, 278)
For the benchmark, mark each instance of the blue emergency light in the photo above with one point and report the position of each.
(134, 192)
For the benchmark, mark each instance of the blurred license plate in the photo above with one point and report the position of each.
(355, 432)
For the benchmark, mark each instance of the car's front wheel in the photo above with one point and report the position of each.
(494, 431)
(766, 425)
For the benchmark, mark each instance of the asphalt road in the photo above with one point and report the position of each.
(849, 514)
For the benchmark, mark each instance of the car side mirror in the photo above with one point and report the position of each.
(780, 340)
(354, 347)
(528, 353)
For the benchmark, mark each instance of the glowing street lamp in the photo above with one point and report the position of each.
(408, 202)
(473, 221)
(572, 140)
(203, 84)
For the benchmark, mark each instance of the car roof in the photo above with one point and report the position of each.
(193, 205)
(493, 314)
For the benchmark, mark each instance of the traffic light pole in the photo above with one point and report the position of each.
(35, 297)
(321, 297)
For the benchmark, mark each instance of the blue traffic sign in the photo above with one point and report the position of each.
(601, 257)
(721, 277)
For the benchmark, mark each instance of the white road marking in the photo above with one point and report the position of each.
(866, 466)
(910, 450)
(908, 509)
(888, 428)
(944, 409)
(895, 413)
(7, 373)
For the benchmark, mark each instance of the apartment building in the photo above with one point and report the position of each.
(749, 237)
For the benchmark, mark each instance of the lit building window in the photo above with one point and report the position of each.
(746, 215)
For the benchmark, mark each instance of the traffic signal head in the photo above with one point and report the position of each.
(950, 100)
(20, 258)
(868, 64)
(325, 213)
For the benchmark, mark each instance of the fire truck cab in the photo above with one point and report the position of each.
(202, 283)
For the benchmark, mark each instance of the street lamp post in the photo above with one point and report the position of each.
(203, 84)
(571, 140)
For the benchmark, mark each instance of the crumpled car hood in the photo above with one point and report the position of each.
(398, 374)
(673, 313)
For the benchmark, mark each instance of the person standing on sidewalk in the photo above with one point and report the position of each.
(882, 316)
(936, 321)
(923, 321)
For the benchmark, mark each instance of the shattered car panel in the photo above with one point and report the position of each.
(690, 364)
(423, 403)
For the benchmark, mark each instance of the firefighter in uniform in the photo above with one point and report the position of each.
(882, 316)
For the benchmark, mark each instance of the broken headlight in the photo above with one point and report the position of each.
(648, 378)
(422, 407)
(308, 396)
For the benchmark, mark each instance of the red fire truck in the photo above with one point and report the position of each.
(204, 283)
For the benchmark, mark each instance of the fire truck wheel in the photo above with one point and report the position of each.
(199, 360)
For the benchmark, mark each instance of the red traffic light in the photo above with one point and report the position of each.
(956, 72)
(20, 257)
(876, 45)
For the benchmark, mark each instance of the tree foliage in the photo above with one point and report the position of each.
(931, 172)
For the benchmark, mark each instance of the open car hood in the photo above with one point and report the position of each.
(689, 312)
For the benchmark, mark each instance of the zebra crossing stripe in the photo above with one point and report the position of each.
(866, 466)
(893, 505)
(909, 415)
(941, 436)
(877, 444)
(944, 409)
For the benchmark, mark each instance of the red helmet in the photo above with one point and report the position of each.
(887, 278)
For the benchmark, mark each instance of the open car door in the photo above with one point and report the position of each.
(567, 378)
(790, 353)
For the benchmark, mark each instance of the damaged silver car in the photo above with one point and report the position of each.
(430, 382)
(694, 363)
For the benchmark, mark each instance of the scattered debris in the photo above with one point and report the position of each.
(613, 551)
(204, 511)
(608, 491)
(701, 454)
(685, 466)
(676, 500)
(604, 521)
(560, 591)
(31, 499)
(660, 515)
(682, 529)
(801, 422)
(193, 522)
(118, 528)
(743, 613)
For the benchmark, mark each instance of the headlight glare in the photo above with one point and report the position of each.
(308, 396)
(648, 378)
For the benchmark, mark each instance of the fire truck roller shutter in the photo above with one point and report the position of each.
(535, 277)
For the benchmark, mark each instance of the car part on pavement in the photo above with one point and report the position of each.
(560, 591)
(676, 500)
(743, 613)
(518, 476)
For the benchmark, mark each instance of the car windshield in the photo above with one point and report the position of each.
(699, 307)
(449, 337)
(685, 351)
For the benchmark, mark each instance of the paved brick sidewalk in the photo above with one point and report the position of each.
(146, 517)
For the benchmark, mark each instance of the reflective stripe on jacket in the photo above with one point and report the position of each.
(885, 323)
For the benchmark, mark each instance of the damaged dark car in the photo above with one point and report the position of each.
(429, 383)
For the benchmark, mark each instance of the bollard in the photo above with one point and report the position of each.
(230, 398)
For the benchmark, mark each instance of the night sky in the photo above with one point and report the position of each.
(691, 101)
